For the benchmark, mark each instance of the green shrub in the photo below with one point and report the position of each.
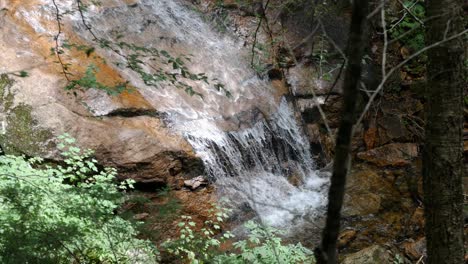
(414, 40)
(265, 246)
(262, 246)
(65, 214)
(199, 246)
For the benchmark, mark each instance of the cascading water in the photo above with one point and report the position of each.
(258, 165)
(254, 165)
(251, 144)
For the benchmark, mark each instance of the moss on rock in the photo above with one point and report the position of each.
(20, 132)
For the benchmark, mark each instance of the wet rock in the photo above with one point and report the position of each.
(394, 154)
(140, 217)
(364, 204)
(365, 191)
(370, 137)
(417, 219)
(177, 183)
(346, 237)
(371, 255)
(295, 179)
(196, 182)
(303, 79)
(393, 127)
(415, 249)
(127, 131)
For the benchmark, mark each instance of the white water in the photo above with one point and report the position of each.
(253, 166)
(172, 26)
(250, 165)
(250, 144)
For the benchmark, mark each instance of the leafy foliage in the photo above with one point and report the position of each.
(60, 214)
(89, 81)
(141, 60)
(199, 246)
(414, 13)
(409, 31)
(262, 246)
(66, 213)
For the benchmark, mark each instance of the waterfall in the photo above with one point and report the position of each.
(251, 144)
(259, 166)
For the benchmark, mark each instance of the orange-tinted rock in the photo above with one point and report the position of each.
(118, 128)
(417, 218)
(415, 249)
(371, 255)
(346, 237)
(370, 137)
(364, 193)
(394, 154)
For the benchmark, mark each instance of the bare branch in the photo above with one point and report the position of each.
(401, 64)
(408, 10)
(385, 47)
(58, 18)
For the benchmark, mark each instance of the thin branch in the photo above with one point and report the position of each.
(304, 40)
(375, 11)
(56, 38)
(262, 16)
(336, 81)
(385, 47)
(332, 41)
(83, 20)
(401, 64)
(315, 98)
(408, 10)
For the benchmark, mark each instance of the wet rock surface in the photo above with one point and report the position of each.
(196, 182)
(371, 255)
(130, 133)
(394, 154)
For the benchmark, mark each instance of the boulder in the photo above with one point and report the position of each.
(126, 131)
(392, 127)
(415, 249)
(394, 154)
(303, 79)
(196, 182)
(346, 237)
(141, 217)
(371, 255)
(365, 191)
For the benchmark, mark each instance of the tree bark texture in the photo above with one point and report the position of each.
(356, 43)
(443, 150)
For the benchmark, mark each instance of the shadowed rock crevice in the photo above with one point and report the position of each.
(135, 112)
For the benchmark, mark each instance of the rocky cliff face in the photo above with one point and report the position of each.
(126, 130)
(134, 131)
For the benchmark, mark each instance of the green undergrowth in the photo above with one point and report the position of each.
(68, 212)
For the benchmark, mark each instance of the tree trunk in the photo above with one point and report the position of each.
(356, 42)
(443, 151)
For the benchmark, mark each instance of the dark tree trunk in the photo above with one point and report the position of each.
(356, 42)
(443, 151)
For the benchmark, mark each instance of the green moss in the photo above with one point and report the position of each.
(22, 134)
(6, 98)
